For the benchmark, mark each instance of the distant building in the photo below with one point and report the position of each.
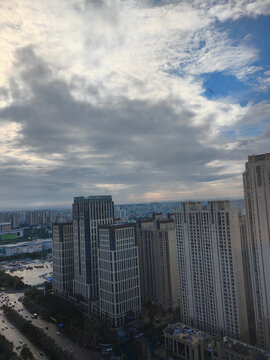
(212, 291)
(15, 220)
(51, 217)
(5, 227)
(32, 218)
(185, 343)
(6, 232)
(158, 261)
(257, 198)
(88, 213)
(119, 283)
(63, 257)
(25, 247)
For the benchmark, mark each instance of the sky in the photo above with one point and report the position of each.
(146, 100)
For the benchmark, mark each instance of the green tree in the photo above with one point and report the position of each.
(26, 354)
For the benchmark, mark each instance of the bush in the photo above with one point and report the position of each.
(9, 282)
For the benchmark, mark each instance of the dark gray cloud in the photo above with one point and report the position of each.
(145, 146)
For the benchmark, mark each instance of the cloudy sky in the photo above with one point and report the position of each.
(147, 100)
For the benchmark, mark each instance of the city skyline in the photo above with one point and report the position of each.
(144, 100)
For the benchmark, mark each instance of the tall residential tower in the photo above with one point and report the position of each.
(212, 292)
(257, 197)
(158, 261)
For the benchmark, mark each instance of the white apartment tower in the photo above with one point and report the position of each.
(257, 197)
(212, 292)
(63, 257)
(158, 261)
(119, 284)
(88, 213)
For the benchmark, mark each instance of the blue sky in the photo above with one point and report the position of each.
(255, 32)
(145, 100)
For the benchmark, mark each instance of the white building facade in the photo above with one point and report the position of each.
(158, 261)
(119, 283)
(212, 292)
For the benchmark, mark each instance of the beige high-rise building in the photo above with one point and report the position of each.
(212, 291)
(63, 257)
(15, 220)
(158, 261)
(257, 197)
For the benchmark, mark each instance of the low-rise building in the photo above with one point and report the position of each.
(184, 343)
(26, 247)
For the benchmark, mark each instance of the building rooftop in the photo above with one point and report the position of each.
(195, 336)
(117, 226)
(63, 223)
(188, 334)
(93, 198)
(259, 157)
(26, 243)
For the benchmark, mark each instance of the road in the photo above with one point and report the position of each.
(78, 352)
(14, 335)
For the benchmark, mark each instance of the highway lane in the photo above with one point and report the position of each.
(78, 352)
(14, 335)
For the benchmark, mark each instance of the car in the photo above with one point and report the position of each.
(46, 327)
(41, 353)
(21, 341)
(24, 345)
(26, 316)
(12, 327)
(3, 329)
(6, 327)
(58, 333)
(18, 347)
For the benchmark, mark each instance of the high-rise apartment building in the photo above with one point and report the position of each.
(158, 261)
(257, 197)
(32, 217)
(88, 213)
(51, 217)
(63, 257)
(212, 292)
(119, 285)
(15, 220)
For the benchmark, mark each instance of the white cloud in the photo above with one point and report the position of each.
(106, 90)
